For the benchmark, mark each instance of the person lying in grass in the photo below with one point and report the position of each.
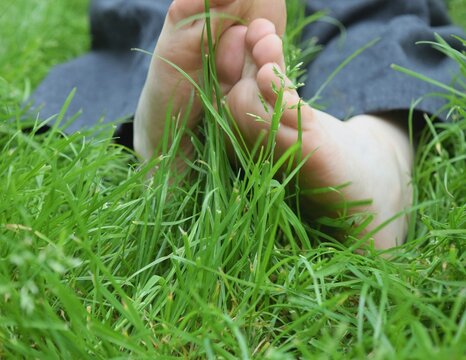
(370, 152)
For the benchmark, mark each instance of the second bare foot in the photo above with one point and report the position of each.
(370, 153)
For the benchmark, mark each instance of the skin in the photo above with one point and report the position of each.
(371, 152)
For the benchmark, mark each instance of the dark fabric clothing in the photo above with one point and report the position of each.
(110, 78)
(368, 84)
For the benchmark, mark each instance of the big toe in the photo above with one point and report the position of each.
(271, 82)
(253, 101)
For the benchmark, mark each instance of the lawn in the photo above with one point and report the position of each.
(99, 260)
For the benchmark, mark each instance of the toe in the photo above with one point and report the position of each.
(269, 80)
(264, 43)
(243, 101)
(269, 49)
(254, 117)
(229, 68)
(258, 29)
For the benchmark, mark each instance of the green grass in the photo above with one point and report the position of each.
(94, 263)
(458, 11)
(36, 35)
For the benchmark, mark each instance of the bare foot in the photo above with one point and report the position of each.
(181, 45)
(371, 153)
